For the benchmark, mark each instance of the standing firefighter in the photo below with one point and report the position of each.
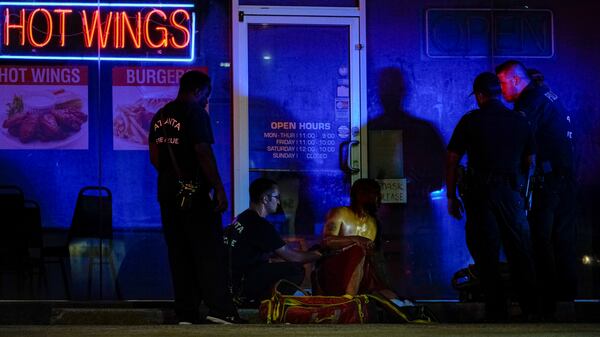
(180, 150)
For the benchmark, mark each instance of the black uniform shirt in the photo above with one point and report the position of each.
(182, 125)
(552, 127)
(495, 138)
(252, 239)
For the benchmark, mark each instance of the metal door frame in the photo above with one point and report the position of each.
(354, 18)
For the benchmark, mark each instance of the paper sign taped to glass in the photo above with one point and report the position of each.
(393, 191)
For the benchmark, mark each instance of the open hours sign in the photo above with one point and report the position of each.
(82, 31)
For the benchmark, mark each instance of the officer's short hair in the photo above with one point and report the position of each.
(259, 187)
(193, 80)
(514, 65)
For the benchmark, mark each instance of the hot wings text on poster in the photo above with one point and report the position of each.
(43, 107)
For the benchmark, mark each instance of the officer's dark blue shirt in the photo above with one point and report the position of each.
(551, 124)
(495, 139)
(180, 125)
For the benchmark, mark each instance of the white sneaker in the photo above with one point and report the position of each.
(184, 323)
(218, 320)
(402, 303)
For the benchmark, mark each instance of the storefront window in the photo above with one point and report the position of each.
(79, 84)
(315, 3)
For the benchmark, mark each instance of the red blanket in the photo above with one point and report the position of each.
(349, 271)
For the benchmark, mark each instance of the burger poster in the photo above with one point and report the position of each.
(138, 93)
(43, 107)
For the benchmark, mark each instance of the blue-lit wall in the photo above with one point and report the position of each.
(409, 91)
(406, 90)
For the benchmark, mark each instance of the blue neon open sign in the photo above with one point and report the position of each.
(92, 31)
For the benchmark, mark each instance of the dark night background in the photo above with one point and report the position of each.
(407, 90)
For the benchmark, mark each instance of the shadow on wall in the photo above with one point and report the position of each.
(422, 146)
(424, 247)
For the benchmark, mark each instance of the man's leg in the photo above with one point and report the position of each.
(541, 224)
(484, 238)
(211, 267)
(375, 278)
(181, 264)
(472, 216)
(517, 246)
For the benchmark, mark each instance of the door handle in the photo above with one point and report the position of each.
(347, 164)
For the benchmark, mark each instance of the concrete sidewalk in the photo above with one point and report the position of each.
(370, 330)
(154, 313)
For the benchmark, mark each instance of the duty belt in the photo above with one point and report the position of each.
(490, 177)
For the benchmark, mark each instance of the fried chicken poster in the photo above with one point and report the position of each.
(138, 93)
(43, 107)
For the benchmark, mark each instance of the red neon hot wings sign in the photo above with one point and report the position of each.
(79, 31)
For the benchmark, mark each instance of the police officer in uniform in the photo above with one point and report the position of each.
(500, 149)
(552, 215)
(180, 149)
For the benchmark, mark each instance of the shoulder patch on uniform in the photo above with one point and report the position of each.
(551, 96)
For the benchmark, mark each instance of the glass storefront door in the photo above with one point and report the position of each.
(298, 118)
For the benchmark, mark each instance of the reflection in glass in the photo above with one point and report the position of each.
(299, 118)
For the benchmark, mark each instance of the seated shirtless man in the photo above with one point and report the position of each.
(350, 235)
